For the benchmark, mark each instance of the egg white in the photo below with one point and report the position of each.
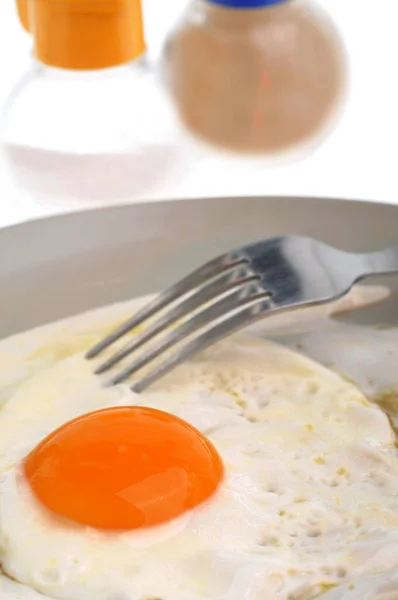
(309, 502)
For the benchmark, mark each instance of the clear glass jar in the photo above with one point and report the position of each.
(90, 125)
(256, 76)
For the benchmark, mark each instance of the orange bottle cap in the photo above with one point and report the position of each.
(84, 34)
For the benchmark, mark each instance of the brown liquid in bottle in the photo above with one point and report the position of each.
(255, 80)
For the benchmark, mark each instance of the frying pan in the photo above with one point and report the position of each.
(58, 266)
(55, 267)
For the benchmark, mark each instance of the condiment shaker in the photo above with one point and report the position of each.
(89, 120)
(256, 76)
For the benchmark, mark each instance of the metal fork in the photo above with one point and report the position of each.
(233, 291)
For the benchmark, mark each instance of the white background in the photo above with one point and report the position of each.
(359, 160)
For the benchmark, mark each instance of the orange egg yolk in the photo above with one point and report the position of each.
(124, 468)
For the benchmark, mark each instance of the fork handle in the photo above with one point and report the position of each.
(381, 262)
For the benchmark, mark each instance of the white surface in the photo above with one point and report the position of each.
(357, 161)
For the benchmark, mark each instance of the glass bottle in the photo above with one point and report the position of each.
(90, 119)
(256, 76)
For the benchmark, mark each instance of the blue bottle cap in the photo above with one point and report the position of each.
(246, 3)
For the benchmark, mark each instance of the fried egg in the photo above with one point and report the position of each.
(256, 473)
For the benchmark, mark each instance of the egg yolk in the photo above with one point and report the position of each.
(124, 468)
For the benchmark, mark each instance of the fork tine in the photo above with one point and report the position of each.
(227, 282)
(198, 277)
(245, 317)
(232, 302)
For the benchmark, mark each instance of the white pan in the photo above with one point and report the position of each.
(55, 267)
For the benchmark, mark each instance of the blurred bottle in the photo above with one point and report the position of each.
(89, 120)
(256, 76)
